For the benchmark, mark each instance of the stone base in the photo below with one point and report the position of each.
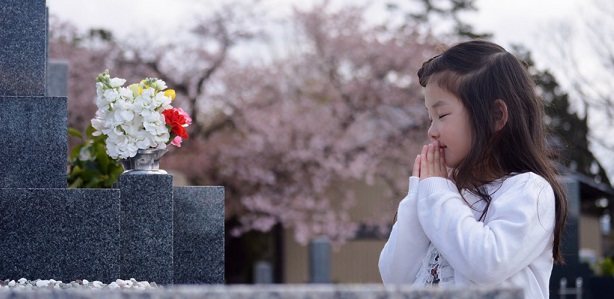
(146, 230)
(366, 291)
(198, 235)
(33, 142)
(147, 227)
(61, 234)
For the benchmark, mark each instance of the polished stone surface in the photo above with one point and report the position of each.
(61, 234)
(146, 227)
(198, 235)
(23, 48)
(57, 78)
(33, 142)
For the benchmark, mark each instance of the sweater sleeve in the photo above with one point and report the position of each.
(402, 255)
(517, 229)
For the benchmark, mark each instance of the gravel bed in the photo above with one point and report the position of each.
(25, 284)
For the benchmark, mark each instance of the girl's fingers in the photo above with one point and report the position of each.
(432, 161)
(423, 164)
(442, 159)
(416, 170)
(436, 158)
(430, 158)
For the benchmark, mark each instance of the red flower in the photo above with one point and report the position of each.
(177, 121)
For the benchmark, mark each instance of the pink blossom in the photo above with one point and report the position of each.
(187, 117)
(177, 141)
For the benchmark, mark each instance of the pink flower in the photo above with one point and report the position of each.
(177, 141)
(188, 119)
(177, 120)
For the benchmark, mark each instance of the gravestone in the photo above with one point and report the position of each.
(145, 230)
(34, 126)
(57, 78)
(319, 261)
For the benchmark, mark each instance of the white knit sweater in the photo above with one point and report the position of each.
(438, 233)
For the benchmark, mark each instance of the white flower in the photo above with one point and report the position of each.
(131, 117)
(160, 85)
(126, 93)
(160, 100)
(111, 95)
(117, 82)
(99, 89)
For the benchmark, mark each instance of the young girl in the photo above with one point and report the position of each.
(484, 205)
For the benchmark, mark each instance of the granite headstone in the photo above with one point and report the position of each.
(51, 232)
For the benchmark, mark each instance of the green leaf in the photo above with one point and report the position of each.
(75, 133)
(74, 154)
(76, 184)
(89, 131)
(95, 182)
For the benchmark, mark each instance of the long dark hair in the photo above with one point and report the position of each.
(479, 73)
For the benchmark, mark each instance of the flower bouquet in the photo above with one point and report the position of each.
(137, 117)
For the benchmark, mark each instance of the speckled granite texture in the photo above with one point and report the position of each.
(62, 234)
(198, 235)
(366, 291)
(57, 78)
(147, 227)
(33, 142)
(50, 232)
(22, 60)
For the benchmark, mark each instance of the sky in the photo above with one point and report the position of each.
(510, 20)
(533, 23)
(543, 26)
(527, 22)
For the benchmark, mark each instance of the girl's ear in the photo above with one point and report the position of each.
(500, 114)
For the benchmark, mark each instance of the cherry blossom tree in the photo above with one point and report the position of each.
(343, 105)
(286, 134)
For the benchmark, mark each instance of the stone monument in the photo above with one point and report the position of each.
(146, 229)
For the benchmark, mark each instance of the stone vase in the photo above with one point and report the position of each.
(146, 161)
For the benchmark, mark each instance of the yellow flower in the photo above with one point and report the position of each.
(136, 89)
(170, 93)
(144, 84)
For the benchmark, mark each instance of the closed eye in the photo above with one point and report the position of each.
(443, 115)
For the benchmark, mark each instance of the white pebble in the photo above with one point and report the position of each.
(120, 283)
(25, 284)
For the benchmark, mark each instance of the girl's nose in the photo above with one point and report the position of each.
(433, 133)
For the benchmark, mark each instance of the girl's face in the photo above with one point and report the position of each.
(449, 123)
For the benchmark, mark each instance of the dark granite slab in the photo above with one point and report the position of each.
(198, 235)
(33, 142)
(61, 234)
(23, 47)
(57, 79)
(147, 227)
